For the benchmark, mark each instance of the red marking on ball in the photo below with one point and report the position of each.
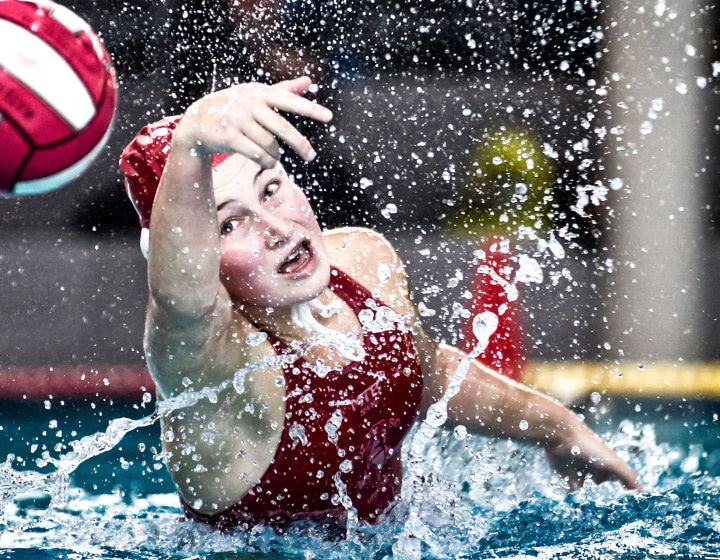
(58, 95)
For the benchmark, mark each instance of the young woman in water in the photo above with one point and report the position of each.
(330, 360)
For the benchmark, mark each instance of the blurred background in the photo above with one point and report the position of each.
(585, 132)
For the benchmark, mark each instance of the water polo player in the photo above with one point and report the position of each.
(240, 273)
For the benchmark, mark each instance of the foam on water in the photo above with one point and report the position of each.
(484, 499)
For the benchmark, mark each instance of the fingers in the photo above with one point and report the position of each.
(614, 468)
(297, 85)
(601, 465)
(251, 150)
(630, 480)
(286, 132)
(291, 102)
(262, 137)
(245, 119)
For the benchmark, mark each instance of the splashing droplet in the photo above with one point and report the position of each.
(484, 325)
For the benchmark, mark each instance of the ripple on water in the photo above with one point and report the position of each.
(486, 499)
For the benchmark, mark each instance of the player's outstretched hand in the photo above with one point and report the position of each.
(246, 119)
(586, 455)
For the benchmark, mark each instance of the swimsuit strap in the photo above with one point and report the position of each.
(354, 294)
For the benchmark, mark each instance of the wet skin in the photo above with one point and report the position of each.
(272, 251)
(232, 249)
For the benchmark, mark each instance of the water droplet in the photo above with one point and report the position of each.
(616, 184)
(239, 381)
(659, 8)
(389, 210)
(484, 325)
(332, 425)
(365, 183)
(383, 272)
(256, 338)
(436, 415)
(460, 432)
(681, 87)
(297, 434)
(425, 311)
(523, 425)
(556, 248)
(529, 270)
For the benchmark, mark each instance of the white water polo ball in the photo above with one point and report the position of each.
(57, 96)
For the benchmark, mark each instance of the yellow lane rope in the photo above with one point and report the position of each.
(570, 381)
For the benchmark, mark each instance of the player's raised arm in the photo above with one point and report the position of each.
(184, 256)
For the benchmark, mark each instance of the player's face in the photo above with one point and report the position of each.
(271, 245)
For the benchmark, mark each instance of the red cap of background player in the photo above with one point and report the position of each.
(143, 161)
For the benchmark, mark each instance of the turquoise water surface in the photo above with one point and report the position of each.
(483, 498)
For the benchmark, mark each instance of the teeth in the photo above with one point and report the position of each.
(294, 255)
(295, 260)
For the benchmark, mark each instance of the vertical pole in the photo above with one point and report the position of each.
(653, 146)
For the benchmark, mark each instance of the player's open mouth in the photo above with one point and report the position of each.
(300, 261)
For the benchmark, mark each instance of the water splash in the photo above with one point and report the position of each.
(349, 346)
(15, 484)
(477, 504)
(408, 545)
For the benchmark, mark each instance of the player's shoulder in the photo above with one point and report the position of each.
(357, 242)
(371, 259)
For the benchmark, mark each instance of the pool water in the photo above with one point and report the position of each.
(483, 498)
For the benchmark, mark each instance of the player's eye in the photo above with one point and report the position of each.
(228, 226)
(270, 189)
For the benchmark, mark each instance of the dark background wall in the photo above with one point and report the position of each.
(415, 87)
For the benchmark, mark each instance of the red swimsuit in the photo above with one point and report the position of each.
(374, 402)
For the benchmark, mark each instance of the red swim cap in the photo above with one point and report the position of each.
(143, 161)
